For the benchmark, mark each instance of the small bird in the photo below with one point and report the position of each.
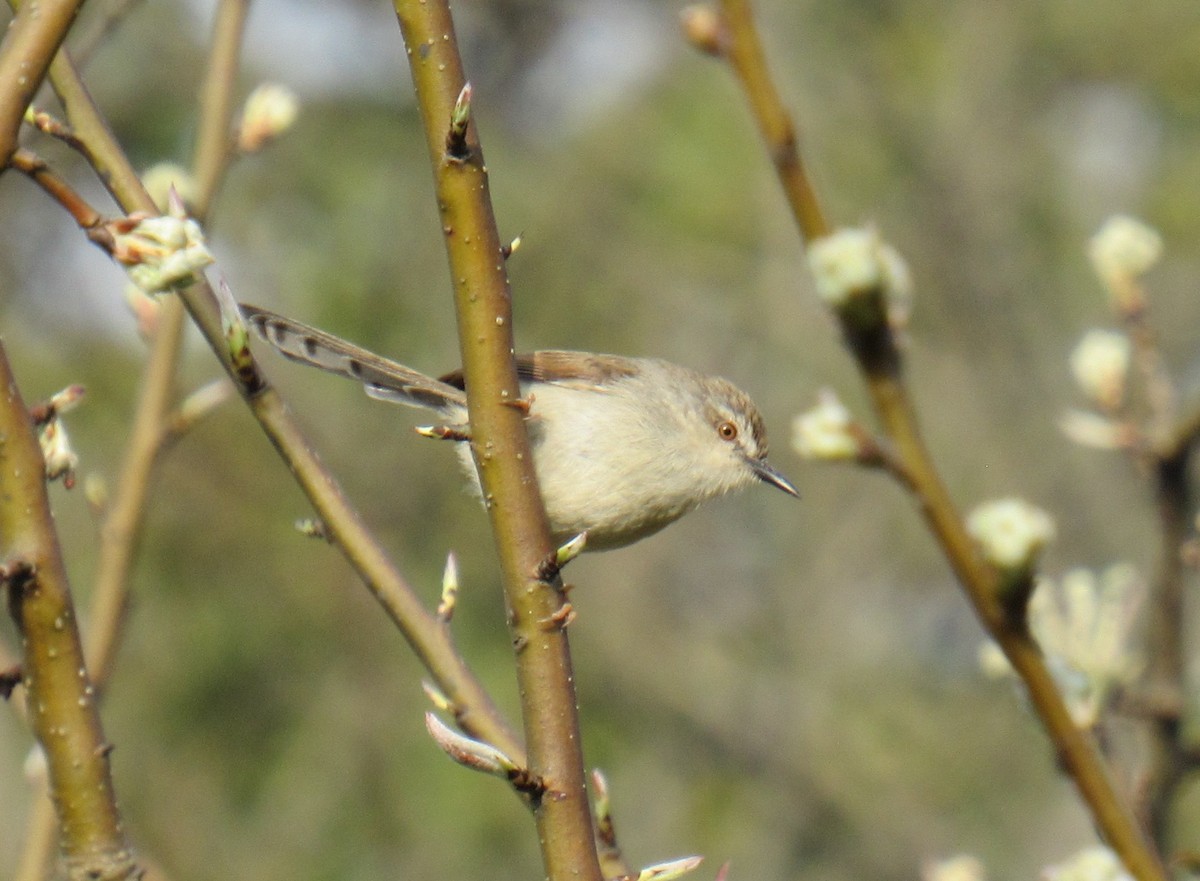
(621, 446)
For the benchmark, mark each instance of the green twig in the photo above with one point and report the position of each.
(502, 452)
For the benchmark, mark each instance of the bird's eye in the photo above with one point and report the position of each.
(727, 430)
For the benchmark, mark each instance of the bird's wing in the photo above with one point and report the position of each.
(577, 369)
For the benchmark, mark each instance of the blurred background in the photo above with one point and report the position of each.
(790, 686)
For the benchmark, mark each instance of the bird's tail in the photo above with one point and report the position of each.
(381, 378)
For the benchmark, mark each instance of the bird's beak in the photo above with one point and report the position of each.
(763, 470)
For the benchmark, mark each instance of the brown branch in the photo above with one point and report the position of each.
(737, 40)
(502, 453)
(35, 168)
(66, 720)
(881, 365)
(29, 45)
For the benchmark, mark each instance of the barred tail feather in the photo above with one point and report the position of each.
(381, 378)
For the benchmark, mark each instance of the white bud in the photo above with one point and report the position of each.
(269, 111)
(826, 431)
(1124, 247)
(1011, 533)
(61, 460)
(853, 262)
(1100, 363)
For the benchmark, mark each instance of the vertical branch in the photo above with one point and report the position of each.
(28, 47)
(214, 140)
(61, 697)
(499, 441)
(745, 55)
(1165, 675)
(124, 517)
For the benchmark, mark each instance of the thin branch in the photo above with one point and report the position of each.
(213, 142)
(36, 169)
(880, 362)
(66, 720)
(537, 610)
(29, 45)
(738, 42)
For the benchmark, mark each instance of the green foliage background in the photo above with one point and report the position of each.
(791, 686)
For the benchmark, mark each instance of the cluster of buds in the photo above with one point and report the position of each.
(861, 277)
(269, 111)
(1085, 625)
(60, 458)
(1100, 364)
(827, 432)
(160, 254)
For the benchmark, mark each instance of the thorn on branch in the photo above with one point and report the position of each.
(456, 138)
(312, 527)
(559, 620)
(445, 609)
(443, 432)
(606, 832)
(549, 568)
(521, 405)
(511, 248)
